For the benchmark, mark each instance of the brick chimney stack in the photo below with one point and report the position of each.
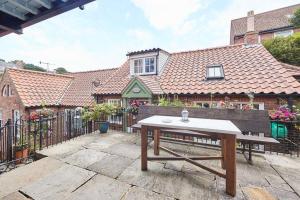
(251, 36)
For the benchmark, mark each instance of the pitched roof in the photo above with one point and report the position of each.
(246, 68)
(269, 20)
(294, 70)
(152, 83)
(79, 93)
(38, 88)
(117, 81)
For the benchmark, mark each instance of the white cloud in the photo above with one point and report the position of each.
(169, 14)
(140, 34)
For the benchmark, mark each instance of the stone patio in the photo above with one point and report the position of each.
(108, 167)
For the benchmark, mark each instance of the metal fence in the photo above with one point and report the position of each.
(21, 139)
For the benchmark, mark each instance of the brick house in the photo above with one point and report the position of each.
(24, 91)
(255, 28)
(202, 77)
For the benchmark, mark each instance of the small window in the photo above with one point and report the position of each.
(149, 65)
(214, 72)
(138, 66)
(115, 102)
(283, 33)
(4, 91)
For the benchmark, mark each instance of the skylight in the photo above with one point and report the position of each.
(214, 72)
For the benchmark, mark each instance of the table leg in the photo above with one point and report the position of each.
(230, 153)
(144, 141)
(223, 153)
(156, 141)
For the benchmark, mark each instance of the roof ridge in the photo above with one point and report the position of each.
(38, 72)
(209, 48)
(97, 70)
(268, 11)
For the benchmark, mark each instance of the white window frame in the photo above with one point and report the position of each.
(209, 76)
(139, 61)
(115, 102)
(144, 66)
(281, 33)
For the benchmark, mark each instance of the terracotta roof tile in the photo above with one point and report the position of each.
(117, 82)
(270, 20)
(152, 83)
(79, 93)
(38, 88)
(246, 69)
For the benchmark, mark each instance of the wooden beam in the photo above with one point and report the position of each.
(25, 6)
(4, 7)
(181, 158)
(45, 3)
(195, 163)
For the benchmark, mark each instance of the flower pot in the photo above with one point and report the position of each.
(103, 127)
(20, 154)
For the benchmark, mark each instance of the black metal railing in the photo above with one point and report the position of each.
(19, 140)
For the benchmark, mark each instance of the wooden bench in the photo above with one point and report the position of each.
(247, 121)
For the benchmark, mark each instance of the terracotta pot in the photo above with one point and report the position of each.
(21, 154)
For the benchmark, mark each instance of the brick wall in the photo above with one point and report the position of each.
(9, 103)
(264, 36)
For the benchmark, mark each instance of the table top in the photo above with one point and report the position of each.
(195, 124)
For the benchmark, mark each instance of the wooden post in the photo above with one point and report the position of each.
(223, 153)
(230, 153)
(156, 141)
(144, 141)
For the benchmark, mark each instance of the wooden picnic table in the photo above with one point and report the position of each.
(224, 130)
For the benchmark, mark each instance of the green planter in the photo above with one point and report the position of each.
(279, 130)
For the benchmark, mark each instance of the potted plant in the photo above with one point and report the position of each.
(281, 115)
(99, 113)
(21, 152)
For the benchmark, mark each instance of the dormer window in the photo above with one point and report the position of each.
(214, 72)
(138, 66)
(144, 66)
(149, 65)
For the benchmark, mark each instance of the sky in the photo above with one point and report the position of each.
(99, 36)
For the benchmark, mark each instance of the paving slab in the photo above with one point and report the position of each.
(14, 196)
(105, 141)
(12, 181)
(257, 193)
(104, 166)
(100, 187)
(291, 176)
(59, 184)
(137, 193)
(282, 194)
(61, 151)
(194, 187)
(124, 149)
(135, 176)
(84, 158)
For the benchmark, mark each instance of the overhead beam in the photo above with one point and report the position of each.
(45, 3)
(10, 24)
(25, 6)
(11, 11)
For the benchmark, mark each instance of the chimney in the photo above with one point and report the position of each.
(251, 36)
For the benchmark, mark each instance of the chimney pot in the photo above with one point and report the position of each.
(250, 13)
